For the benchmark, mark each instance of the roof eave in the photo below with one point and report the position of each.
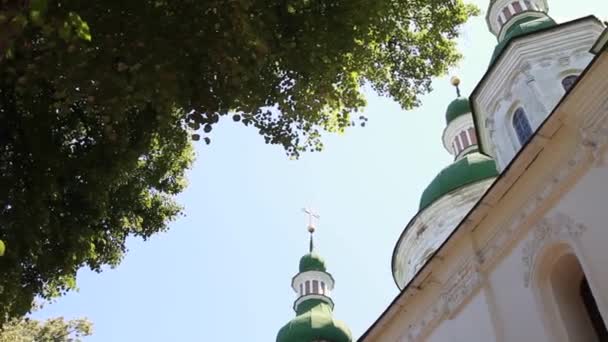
(503, 183)
(496, 61)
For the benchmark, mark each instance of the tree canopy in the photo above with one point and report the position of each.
(99, 101)
(52, 330)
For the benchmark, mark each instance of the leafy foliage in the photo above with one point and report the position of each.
(98, 99)
(52, 330)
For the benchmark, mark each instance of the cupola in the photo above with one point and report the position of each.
(449, 196)
(314, 321)
(503, 13)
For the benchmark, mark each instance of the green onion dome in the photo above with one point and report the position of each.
(471, 168)
(460, 106)
(312, 262)
(314, 322)
(521, 27)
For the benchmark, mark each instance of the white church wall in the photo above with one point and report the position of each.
(586, 205)
(529, 76)
(516, 311)
(472, 323)
(521, 258)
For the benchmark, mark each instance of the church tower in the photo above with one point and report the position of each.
(449, 196)
(313, 285)
(535, 62)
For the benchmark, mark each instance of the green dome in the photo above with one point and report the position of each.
(312, 262)
(314, 322)
(460, 106)
(523, 26)
(473, 167)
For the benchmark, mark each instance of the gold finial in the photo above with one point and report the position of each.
(456, 82)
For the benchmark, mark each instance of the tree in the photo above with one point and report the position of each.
(52, 330)
(98, 100)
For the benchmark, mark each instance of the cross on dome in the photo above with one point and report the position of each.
(311, 223)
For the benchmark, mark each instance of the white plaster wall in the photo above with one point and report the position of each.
(516, 309)
(536, 88)
(558, 199)
(529, 75)
(587, 203)
(472, 323)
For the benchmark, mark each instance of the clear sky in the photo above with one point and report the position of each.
(223, 271)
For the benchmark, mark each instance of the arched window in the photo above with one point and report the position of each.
(593, 311)
(577, 311)
(315, 286)
(521, 126)
(569, 81)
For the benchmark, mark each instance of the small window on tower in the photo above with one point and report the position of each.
(517, 7)
(473, 136)
(322, 288)
(507, 13)
(458, 145)
(315, 286)
(301, 289)
(465, 139)
(307, 287)
(529, 5)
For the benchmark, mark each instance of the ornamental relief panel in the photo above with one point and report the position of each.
(559, 227)
(463, 283)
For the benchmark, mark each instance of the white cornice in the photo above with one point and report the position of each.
(304, 298)
(587, 99)
(515, 61)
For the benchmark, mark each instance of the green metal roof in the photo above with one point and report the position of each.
(314, 322)
(523, 26)
(473, 167)
(460, 106)
(312, 262)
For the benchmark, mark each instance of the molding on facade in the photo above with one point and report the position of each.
(594, 133)
(463, 284)
(560, 227)
(529, 75)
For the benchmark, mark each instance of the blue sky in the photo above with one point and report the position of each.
(223, 271)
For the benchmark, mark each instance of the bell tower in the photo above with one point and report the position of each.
(314, 307)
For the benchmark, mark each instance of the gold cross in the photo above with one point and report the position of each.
(311, 219)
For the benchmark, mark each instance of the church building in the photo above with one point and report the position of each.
(510, 240)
